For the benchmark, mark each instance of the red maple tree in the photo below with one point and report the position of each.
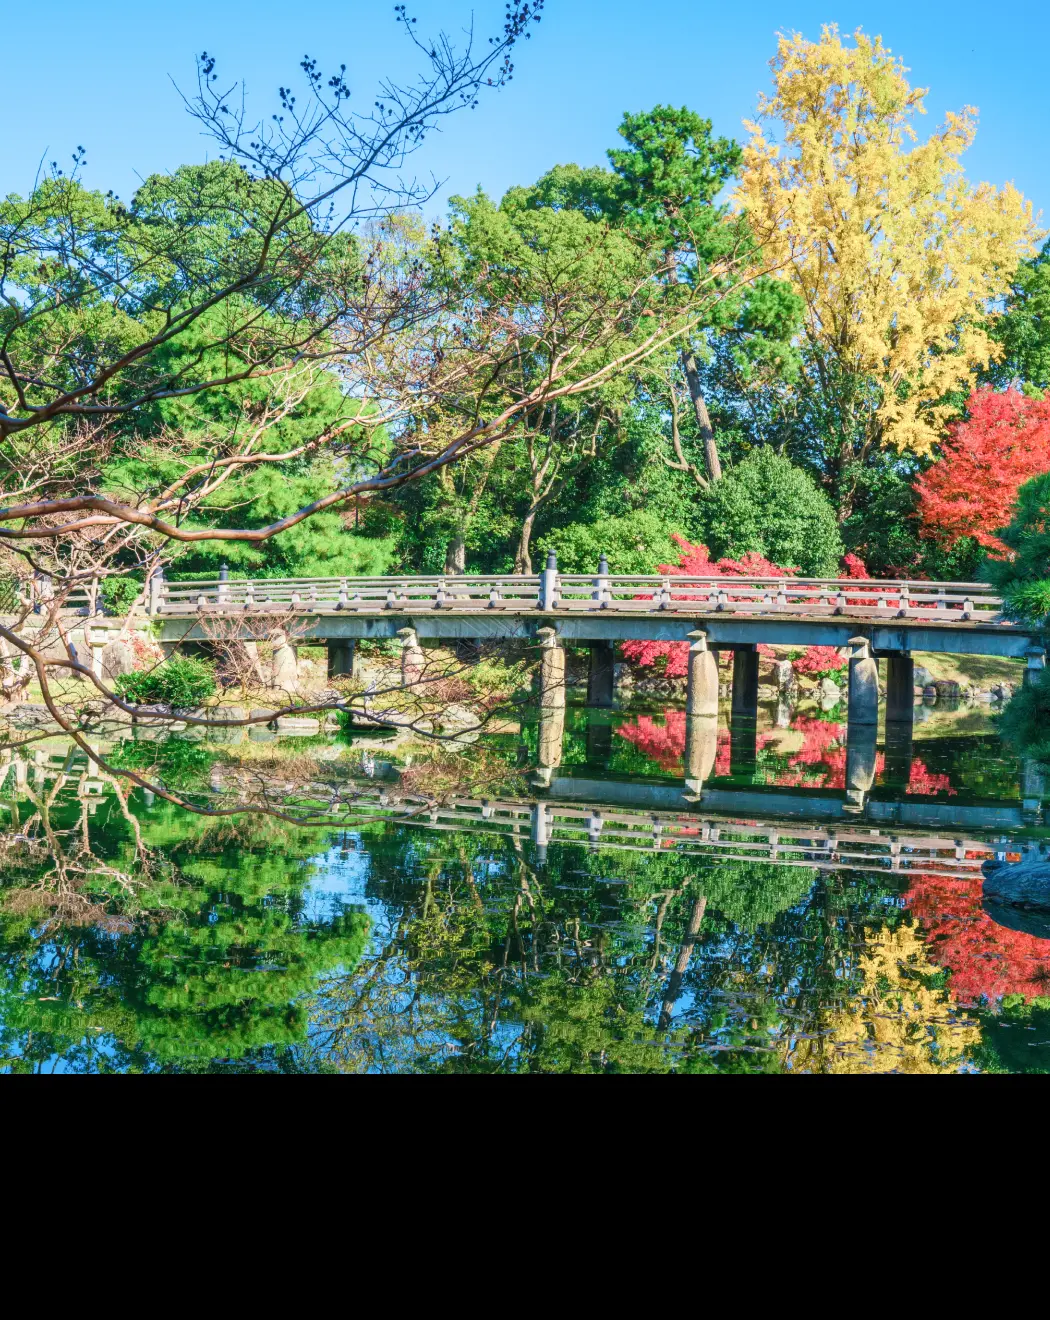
(971, 489)
(696, 561)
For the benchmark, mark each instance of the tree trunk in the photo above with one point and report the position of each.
(456, 555)
(685, 953)
(703, 418)
(523, 556)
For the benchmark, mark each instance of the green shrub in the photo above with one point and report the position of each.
(120, 593)
(634, 543)
(1025, 723)
(1024, 578)
(767, 505)
(182, 682)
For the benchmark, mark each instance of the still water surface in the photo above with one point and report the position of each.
(159, 940)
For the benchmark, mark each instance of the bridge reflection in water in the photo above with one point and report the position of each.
(704, 782)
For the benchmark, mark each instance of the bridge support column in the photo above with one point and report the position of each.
(701, 697)
(863, 684)
(552, 706)
(745, 681)
(900, 719)
(861, 751)
(412, 658)
(341, 658)
(600, 674)
(900, 689)
(701, 715)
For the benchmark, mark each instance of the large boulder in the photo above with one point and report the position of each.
(1023, 884)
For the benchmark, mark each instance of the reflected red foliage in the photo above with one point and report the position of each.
(664, 742)
(985, 959)
(820, 762)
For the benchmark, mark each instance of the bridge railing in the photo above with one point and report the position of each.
(619, 593)
(41, 593)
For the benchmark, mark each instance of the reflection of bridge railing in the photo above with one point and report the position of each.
(706, 838)
(619, 593)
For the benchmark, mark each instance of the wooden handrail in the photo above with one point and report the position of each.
(618, 593)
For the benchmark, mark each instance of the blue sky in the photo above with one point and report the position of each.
(101, 75)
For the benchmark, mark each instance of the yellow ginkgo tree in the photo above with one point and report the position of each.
(898, 258)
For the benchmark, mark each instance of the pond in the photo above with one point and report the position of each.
(599, 923)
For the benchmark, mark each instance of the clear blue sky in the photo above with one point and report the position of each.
(100, 75)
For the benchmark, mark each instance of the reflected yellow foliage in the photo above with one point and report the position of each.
(895, 1023)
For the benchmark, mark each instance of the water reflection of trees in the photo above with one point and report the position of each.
(606, 962)
(209, 957)
(155, 939)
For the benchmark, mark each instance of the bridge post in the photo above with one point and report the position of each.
(552, 706)
(341, 658)
(863, 684)
(1036, 658)
(548, 595)
(541, 831)
(601, 582)
(600, 676)
(412, 658)
(156, 589)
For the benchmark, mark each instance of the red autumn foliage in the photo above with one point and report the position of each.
(696, 561)
(971, 489)
(819, 660)
(986, 960)
(854, 566)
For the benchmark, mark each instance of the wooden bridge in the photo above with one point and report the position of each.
(897, 615)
